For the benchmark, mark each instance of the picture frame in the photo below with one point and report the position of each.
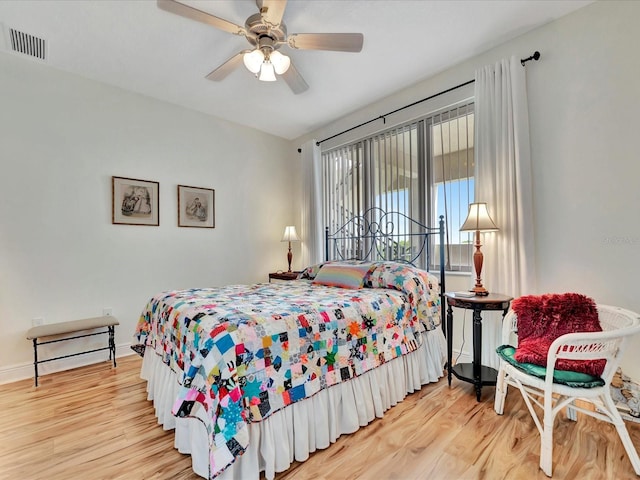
(135, 201)
(196, 207)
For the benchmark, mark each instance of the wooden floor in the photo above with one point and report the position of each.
(95, 423)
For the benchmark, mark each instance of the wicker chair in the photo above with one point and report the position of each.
(618, 326)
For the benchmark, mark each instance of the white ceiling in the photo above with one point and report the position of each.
(134, 45)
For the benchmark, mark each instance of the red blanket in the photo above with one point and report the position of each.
(543, 318)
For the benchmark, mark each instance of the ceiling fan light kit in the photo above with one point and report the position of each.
(266, 32)
(264, 61)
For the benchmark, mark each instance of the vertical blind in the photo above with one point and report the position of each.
(451, 159)
(421, 170)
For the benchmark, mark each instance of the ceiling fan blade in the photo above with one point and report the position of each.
(183, 10)
(338, 42)
(272, 10)
(294, 80)
(227, 67)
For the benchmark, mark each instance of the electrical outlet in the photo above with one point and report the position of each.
(37, 321)
(107, 312)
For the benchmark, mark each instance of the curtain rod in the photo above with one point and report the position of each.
(535, 56)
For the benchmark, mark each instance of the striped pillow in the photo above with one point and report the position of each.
(342, 275)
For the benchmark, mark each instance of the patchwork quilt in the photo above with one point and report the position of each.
(243, 352)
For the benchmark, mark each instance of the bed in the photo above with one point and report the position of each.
(254, 377)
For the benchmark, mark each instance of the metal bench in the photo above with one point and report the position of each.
(64, 328)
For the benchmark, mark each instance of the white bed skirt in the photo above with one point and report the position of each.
(317, 421)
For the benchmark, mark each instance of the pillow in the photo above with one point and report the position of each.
(420, 288)
(342, 275)
(543, 318)
(311, 271)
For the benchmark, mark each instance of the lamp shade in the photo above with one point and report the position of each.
(253, 60)
(478, 219)
(280, 62)
(267, 73)
(290, 234)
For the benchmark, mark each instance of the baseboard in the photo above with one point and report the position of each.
(14, 373)
(461, 357)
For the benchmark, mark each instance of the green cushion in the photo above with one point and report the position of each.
(564, 377)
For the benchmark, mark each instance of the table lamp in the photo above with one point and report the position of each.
(478, 220)
(290, 235)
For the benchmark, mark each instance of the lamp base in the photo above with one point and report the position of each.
(479, 291)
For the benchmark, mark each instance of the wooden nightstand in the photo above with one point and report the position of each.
(283, 276)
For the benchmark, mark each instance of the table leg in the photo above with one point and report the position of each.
(449, 341)
(477, 351)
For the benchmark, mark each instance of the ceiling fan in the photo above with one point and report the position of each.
(266, 33)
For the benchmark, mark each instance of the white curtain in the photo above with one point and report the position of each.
(311, 232)
(503, 180)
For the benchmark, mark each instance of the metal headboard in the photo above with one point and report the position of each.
(379, 235)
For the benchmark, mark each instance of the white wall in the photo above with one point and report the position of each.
(584, 108)
(62, 137)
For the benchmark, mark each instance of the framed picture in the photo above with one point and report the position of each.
(196, 207)
(135, 202)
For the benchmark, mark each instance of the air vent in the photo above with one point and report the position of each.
(26, 44)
